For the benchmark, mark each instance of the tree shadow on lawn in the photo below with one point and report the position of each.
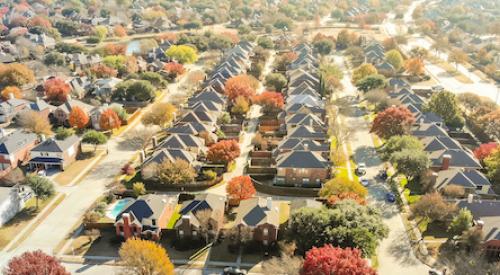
(402, 250)
(367, 155)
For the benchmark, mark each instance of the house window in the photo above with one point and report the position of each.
(264, 242)
(265, 232)
(181, 233)
(195, 233)
(153, 222)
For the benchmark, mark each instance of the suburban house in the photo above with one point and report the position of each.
(61, 114)
(302, 168)
(159, 156)
(486, 214)
(185, 142)
(146, 217)
(104, 87)
(41, 107)
(12, 200)
(204, 212)
(473, 181)
(10, 108)
(95, 114)
(261, 216)
(452, 158)
(295, 144)
(14, 149)
(53, 153)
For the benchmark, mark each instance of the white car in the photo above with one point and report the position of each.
(360, 169)
(364, 182)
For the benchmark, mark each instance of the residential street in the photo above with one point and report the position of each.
(394, 253)
(478, 85)
(55, 227)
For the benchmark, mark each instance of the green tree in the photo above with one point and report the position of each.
(134, 90)
(175, 172)
(394, 58)
(54, 58)
(265, 42)
(345, 224)
(154, 78)
(371, 82)
(363, 71)
(461, 223)
(323, 46)
(183, 54)
(95, 138)
(340, 185)
(400, 143)
(63, 133)
(445, 104)
(276, 81)
(42, 187)
(492, 163)
(139, 189)
(410, 162)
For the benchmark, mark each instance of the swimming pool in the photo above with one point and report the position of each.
(117, 207)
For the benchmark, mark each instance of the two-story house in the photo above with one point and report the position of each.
(53, 153)
(14, 149)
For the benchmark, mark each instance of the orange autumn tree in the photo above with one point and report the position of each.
(414, 66)
(78, 118)
(333, 199)
(56, 89)
(174, 69)
(115, 49)
(103, 71)
(240, 188)
(241, 86)
(270, 101)
(11, 90)
(223, 151)
(120, 31)
(109, 120)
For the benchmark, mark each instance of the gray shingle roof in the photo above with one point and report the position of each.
(54, 145)
(16, 141)
(301, 159)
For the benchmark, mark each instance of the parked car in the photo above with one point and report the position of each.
(234, 271)
(382, 174)
(390, 197)
(437, 88)
(360, 169)
(364, 181)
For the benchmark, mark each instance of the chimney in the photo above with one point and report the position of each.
(306, 147)
(2, 132)
(143, 156)
(11, 96)
(155, 142)
(269, 201)
(43, 138)
(127, 233)
(479, 224)
(446, 162)
(470, 198)
(434, 176)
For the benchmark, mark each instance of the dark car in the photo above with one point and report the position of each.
(390, 197)
(360, 169)
(234, 271)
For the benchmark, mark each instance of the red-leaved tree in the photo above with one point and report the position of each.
(485, 149)
(335, 260)
(270, 101)
(103, 71)
(34, 263)
(241, 86)
(223, 151)
(240, 188)
(109, 120)
(393, 121)
(56, 89)
(78, 118)
(174, 69)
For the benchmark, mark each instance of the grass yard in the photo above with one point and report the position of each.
(76, 168)
(90, 246)
(175, 216)
(11, 229)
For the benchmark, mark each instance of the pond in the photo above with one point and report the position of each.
(133, 46)
(117, 207)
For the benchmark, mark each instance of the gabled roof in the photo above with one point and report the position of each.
(208, 105)
(170, 154)
(197, 116)
(67, 106)
(439, 143)
(182, 141)
(147, 208)
(428, 130)
(309, 132)
(16, 141)
(299, 108)
(40, 105)
(205, 201)
(304, 119)
(301, 144)
(468, 178)
(301, 159)
(459, 159)
(304, 99)
(398, 82)
(254, 212)
(55, 145)
(487, 211)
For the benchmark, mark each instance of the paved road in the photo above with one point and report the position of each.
(478, 86)
(58, 224)
(394, 253)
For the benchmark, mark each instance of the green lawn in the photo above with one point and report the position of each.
(175, 216)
